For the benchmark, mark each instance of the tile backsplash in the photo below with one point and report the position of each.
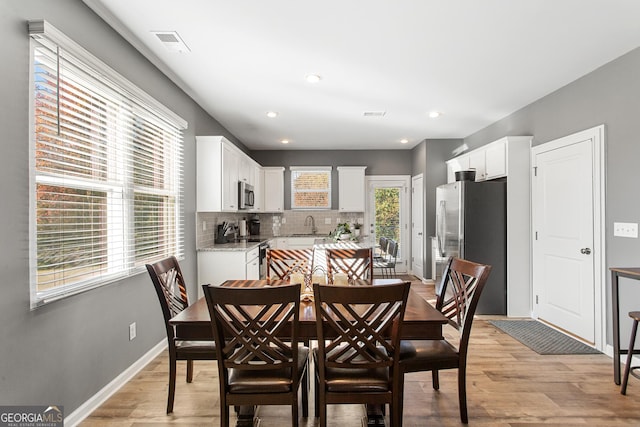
(286, 223)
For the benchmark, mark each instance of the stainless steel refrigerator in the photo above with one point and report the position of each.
(471, 223)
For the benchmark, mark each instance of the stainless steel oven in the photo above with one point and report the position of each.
(263, 259)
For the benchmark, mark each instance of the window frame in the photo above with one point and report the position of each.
(328, 170)
(145, 113)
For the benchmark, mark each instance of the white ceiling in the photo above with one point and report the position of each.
(475, 61)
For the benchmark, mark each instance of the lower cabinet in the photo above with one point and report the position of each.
(214, 267)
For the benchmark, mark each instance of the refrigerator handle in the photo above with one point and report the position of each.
(441, 227)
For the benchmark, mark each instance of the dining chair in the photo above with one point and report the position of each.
(282, 262)
(458, 294)
(170, 287)
(358, 345)
(628, 369)
(260, 361)
(381, 251)
(387, 264)
(356, 263)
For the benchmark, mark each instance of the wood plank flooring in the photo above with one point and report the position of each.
(507, 385)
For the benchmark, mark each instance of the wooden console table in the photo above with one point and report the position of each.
(616, 273)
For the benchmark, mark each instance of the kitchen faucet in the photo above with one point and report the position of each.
(310, 221)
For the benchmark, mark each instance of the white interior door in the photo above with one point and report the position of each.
(563, 235)
(417, 226)
(388, 213)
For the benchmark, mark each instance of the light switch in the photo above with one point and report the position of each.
(625, 229)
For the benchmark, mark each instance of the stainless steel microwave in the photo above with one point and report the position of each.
(246, 195)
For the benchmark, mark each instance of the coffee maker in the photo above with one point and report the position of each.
(254, 226)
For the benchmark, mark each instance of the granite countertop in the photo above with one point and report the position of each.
(240, 246)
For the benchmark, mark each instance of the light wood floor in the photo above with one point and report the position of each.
(507, 385)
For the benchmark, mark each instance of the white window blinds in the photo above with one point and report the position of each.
(106, 172)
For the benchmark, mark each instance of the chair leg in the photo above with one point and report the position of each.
(294, 412)
(305, 392)
(189, 371)
(172, 384)
(435, 379)
(627, 366)
(224, 413)
(316, 394)
(462, 393)
(398, 397)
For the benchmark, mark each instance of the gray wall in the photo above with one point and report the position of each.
(609, 95)
(428, 159)
(67, 351)
(378, 162)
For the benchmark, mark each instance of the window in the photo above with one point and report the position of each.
(310, 187)
(106, 172)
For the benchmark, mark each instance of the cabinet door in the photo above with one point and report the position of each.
(258, 189)
(351, 189)
(496, 160)
(230, 164)
(273, 196)
(214, 267)
(477, 162)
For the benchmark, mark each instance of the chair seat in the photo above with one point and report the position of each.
(196, 346)
(271, 381)
(358, 380)
(415, 355)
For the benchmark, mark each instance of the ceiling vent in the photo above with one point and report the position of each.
(374, 113)
(171, 41)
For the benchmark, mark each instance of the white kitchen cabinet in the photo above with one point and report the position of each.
(496, 159)
(351, 188)
(214, 267)
(477, 163)
(258, 189)
(273, 194)
(301, 242)
(217, 163)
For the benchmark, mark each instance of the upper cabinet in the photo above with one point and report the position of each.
(489, 161)
(351, 188)
(220, 166)
(273, 184)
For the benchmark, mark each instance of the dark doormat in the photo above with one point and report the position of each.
(541, 338)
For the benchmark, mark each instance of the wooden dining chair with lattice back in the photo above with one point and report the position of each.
(172, 293)
(259, 359)
(356, 263)
(282, 262)
(458, 294)
(358, 345)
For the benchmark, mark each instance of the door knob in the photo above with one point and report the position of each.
(585, 251)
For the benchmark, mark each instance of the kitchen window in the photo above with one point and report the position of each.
(106, 172)
(310, 187)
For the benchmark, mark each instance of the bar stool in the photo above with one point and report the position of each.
(635, 315)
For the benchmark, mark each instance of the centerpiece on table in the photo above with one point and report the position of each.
(342, 232)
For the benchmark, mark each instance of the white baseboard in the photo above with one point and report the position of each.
(77, 416)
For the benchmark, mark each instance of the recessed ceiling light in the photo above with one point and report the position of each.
(313, 78)
(272, 114)
(404, 141)
(285, 141)
(435, 114)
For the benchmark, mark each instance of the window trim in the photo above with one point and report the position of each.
(328, 170)
(44, 33)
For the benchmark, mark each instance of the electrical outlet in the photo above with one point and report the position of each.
(132, 331)
(204, 225)
(284, 220)
(327, 221)
(625, 229)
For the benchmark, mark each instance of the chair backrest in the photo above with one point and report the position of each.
(392, 251)
(458, 294)
(171, 289)
(383, 242)
(282, 262)
(359, 326)
(255, 328)
(357, 264)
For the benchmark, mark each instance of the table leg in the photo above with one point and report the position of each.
(375, 416)
(615, 304)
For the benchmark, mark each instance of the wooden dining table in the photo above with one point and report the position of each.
(421, 321)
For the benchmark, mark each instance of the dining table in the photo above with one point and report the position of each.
(421, 322)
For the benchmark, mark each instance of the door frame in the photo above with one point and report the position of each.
(402, 265)
(420, 220)
(597, 135)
